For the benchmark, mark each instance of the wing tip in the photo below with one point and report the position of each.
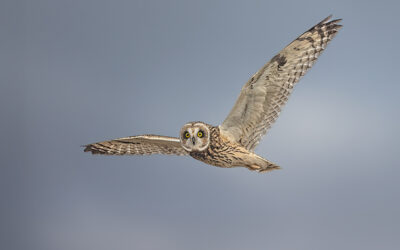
(85, 147)
(326, 22)
(91, 149)
(326, 19)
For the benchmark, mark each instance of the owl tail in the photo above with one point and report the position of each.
(262, 165)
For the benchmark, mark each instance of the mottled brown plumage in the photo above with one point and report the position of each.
(223, 153)
(258, 106)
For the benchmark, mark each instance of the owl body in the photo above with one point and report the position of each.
(222, 152)
(260, 101)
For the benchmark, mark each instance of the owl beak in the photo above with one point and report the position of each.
(193, 140)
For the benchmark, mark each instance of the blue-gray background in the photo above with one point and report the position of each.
(79, 71)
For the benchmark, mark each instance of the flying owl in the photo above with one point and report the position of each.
(261, 99)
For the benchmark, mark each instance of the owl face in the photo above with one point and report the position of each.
(195, 136)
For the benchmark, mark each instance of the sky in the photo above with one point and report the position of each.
(80, 71)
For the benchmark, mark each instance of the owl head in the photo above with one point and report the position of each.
(195, 136)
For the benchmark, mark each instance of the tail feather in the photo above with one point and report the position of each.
(262, 166)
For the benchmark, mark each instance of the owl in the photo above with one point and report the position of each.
(261, 99)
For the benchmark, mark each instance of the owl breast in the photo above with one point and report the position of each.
(220, 152)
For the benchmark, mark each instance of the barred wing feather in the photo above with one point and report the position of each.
(138, 145)
(263, 96)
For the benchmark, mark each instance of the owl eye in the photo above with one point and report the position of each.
(200, 134)
(187, 135)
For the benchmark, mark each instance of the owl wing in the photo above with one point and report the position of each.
(262, 97)
(138, 145)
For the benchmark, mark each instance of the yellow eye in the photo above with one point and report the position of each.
(187, 135)
(200, 134)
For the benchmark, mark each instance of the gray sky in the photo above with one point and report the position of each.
(79, 71)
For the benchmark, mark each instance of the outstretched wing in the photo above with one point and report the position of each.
(138, 145)
(262, 97)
